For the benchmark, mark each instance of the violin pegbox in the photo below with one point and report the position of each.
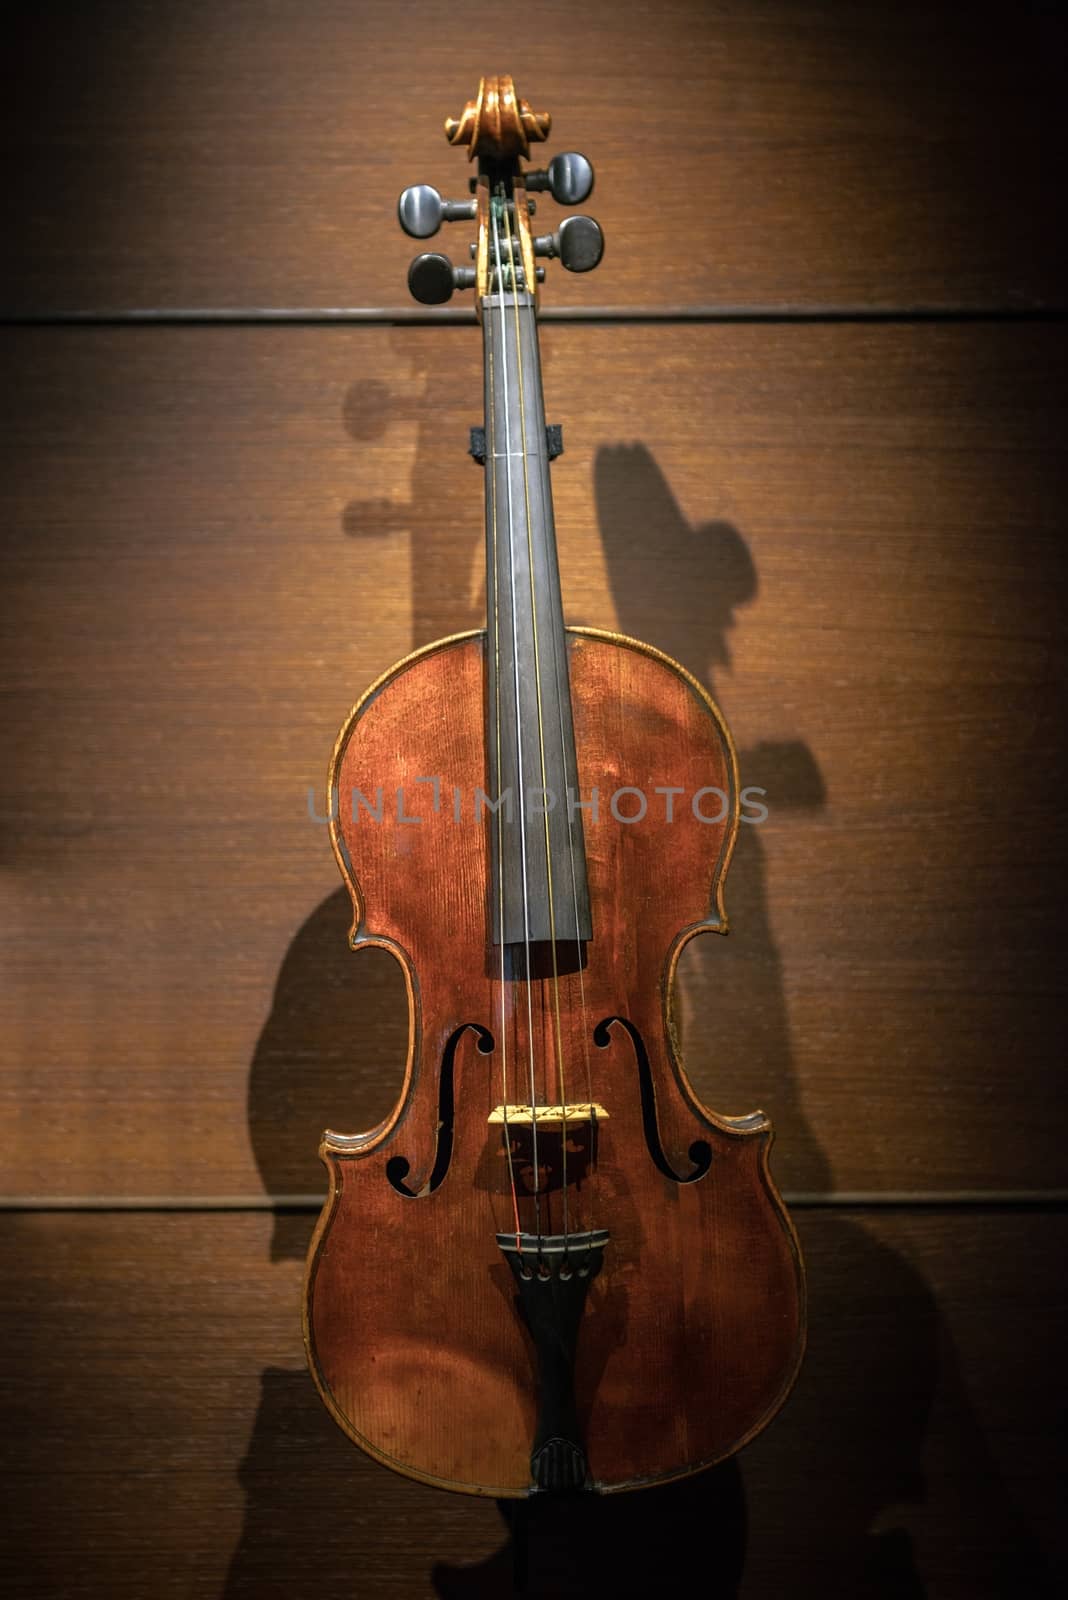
(498, 128)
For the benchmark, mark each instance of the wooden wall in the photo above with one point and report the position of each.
(837, 495)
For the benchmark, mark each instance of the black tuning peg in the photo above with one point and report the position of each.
(421, 210)
(578, 242)
(570, 178)
(432, 279)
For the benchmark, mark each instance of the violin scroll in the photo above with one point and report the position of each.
(498, 124)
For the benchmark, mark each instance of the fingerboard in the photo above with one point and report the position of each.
(539, 887)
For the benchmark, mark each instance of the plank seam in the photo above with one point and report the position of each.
(389, 316)
(854, 1200)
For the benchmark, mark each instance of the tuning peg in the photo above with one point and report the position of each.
(421, 210)
(578, 242)
(432, 279)
(570, 178)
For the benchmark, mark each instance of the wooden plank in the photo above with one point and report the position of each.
(161, 1421)
(781, 153)
(215, 540)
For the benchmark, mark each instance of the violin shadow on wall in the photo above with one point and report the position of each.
(446, 539)
(821, 1487)
(679, 587)
(333, 1049)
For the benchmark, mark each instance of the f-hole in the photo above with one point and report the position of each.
(700, 1152)
(398, 1167)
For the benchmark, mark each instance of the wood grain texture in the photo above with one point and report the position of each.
(214, 540)
(638, 721)
(238, 155)
(159, 1418)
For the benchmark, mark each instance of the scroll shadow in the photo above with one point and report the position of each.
(816, 1505)
(445, 540)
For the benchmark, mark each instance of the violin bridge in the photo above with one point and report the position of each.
(583, 1111)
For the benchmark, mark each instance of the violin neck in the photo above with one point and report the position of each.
(539, 888)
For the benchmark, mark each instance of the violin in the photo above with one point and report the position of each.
(550, 1267)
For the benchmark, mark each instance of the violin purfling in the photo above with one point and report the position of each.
(551, 1267)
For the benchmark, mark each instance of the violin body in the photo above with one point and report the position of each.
(687, 1332)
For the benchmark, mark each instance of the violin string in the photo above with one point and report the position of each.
(561, 647)
(541, 725)
(518, 721)
(497, 815)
